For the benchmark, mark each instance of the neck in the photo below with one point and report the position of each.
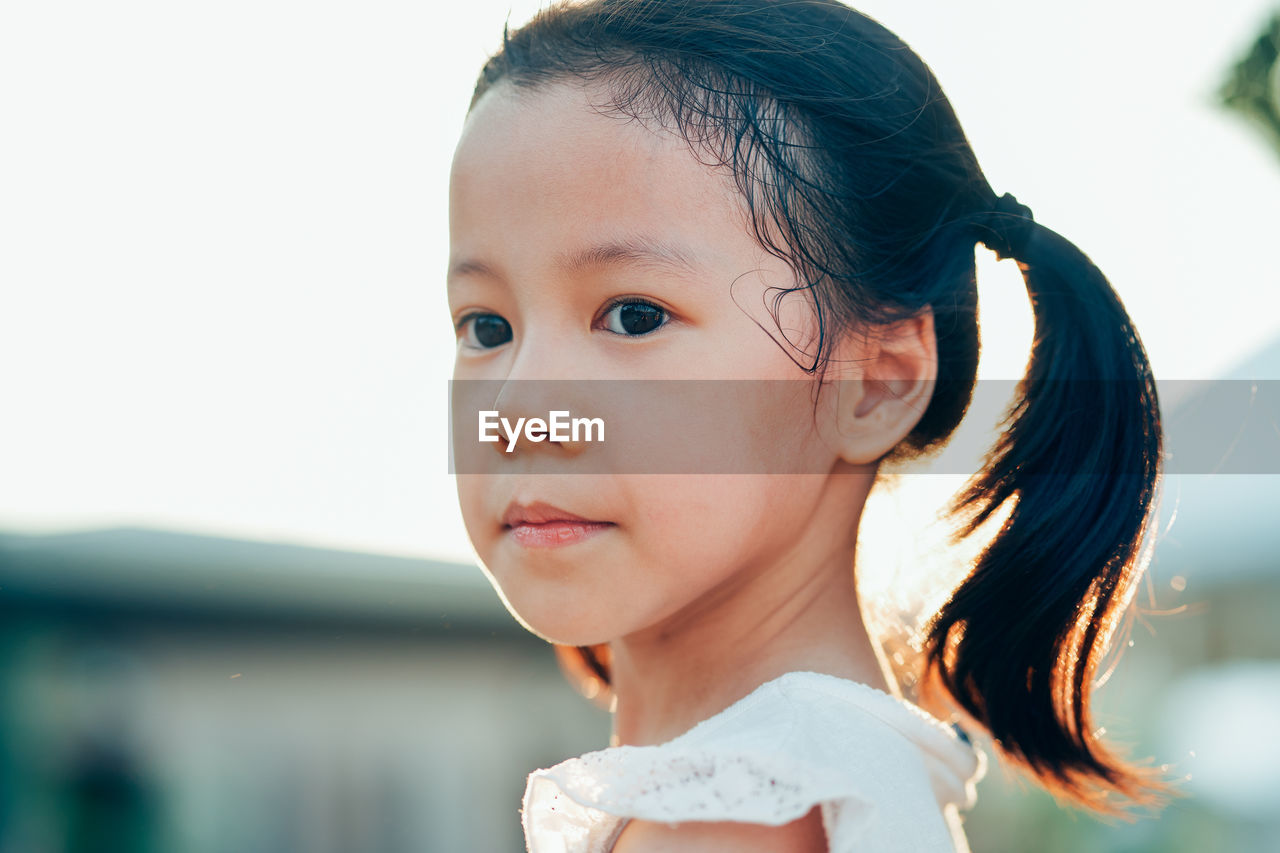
(800, 613)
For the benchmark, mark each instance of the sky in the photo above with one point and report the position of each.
(223, 237)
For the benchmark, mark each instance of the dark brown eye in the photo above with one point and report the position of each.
(634, 317)
(485, 331)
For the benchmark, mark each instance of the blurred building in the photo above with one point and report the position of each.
(184, 694)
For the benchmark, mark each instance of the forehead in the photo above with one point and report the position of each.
(540, 169)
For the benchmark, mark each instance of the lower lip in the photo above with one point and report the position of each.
(554, 534)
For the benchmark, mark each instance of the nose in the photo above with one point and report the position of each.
(546, 376)
(537, 415)
(526, 411)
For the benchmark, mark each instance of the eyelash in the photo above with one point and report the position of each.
(614, 304)
(635, 300)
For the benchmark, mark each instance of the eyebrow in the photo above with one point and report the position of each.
(633, 250)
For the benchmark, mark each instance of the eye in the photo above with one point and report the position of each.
(484, 331)
(634, 317)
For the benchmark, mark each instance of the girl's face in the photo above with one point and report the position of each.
(539, 180)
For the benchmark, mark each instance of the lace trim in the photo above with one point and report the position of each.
(697, 785)
(584, 803)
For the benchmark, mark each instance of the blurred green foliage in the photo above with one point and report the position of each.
(1252, 86)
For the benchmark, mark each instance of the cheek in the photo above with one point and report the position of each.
(680, 537)
(695, 532)
(782, 429)
(473, 491)
(776, 428)
(714, 427)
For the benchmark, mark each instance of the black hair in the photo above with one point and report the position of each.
(857, 173)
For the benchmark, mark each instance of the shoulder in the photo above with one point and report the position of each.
(805, 835)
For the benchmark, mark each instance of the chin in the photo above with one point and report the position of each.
(566, 624)
(554, 615)
(561, 597)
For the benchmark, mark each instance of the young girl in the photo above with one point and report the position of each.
(759, 190)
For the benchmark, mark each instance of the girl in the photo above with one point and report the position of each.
(761, 190)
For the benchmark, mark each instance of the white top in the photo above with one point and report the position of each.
(888, 776)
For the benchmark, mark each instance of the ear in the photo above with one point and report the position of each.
(884, 383)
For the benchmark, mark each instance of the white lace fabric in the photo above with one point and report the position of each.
(887, 776)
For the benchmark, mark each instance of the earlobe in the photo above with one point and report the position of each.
(886, 389)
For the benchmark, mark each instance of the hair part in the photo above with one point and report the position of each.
(856, 172)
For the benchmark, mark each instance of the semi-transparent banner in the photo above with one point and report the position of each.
(799, 427)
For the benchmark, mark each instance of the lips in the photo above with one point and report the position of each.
(541, 525)
(541, 513)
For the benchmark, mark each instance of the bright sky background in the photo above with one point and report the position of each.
(223, 237)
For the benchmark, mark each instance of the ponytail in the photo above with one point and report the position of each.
(1018, 644)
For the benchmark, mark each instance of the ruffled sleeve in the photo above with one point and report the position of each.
(793, 744)
(580, 804)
